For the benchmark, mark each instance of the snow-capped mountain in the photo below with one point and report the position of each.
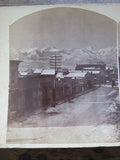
(39, 58)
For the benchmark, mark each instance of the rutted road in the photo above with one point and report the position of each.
(84, 120)
(89, 109)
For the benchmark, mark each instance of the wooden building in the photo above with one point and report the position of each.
(44, 88)
(25, 92)
(91, 67)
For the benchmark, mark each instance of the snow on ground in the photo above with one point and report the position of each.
(88, 109)
(64, 135)
(86, 118)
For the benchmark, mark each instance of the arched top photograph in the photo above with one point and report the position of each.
(63, 78)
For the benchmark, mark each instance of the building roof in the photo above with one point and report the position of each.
(15, 61)
(48, 72)
(92, 64)
(23, 73)
(37, 70)
(76, 74)
(95, 72)
(60, 75)
(89, 68)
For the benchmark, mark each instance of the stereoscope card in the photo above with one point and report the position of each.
(59, 68)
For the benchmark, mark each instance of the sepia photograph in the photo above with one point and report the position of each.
(63, 78)
(118, 26)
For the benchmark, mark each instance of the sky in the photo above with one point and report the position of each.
(63, 28)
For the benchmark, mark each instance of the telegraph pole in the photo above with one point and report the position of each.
(55, 63)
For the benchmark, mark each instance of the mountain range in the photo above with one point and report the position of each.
(39, 58)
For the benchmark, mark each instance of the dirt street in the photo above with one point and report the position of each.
(86, 119)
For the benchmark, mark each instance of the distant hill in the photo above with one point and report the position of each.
(39, 58)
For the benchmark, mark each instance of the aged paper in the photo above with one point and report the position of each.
(59, 67)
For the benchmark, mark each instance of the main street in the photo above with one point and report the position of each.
(92, 108)
(90, 118)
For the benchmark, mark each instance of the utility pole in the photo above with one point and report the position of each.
(55, 63)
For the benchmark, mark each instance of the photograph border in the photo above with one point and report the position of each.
(5, 60)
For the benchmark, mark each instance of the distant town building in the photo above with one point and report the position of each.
(90, 67)
(98, 70)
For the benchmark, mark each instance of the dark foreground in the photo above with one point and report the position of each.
(90, 118)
